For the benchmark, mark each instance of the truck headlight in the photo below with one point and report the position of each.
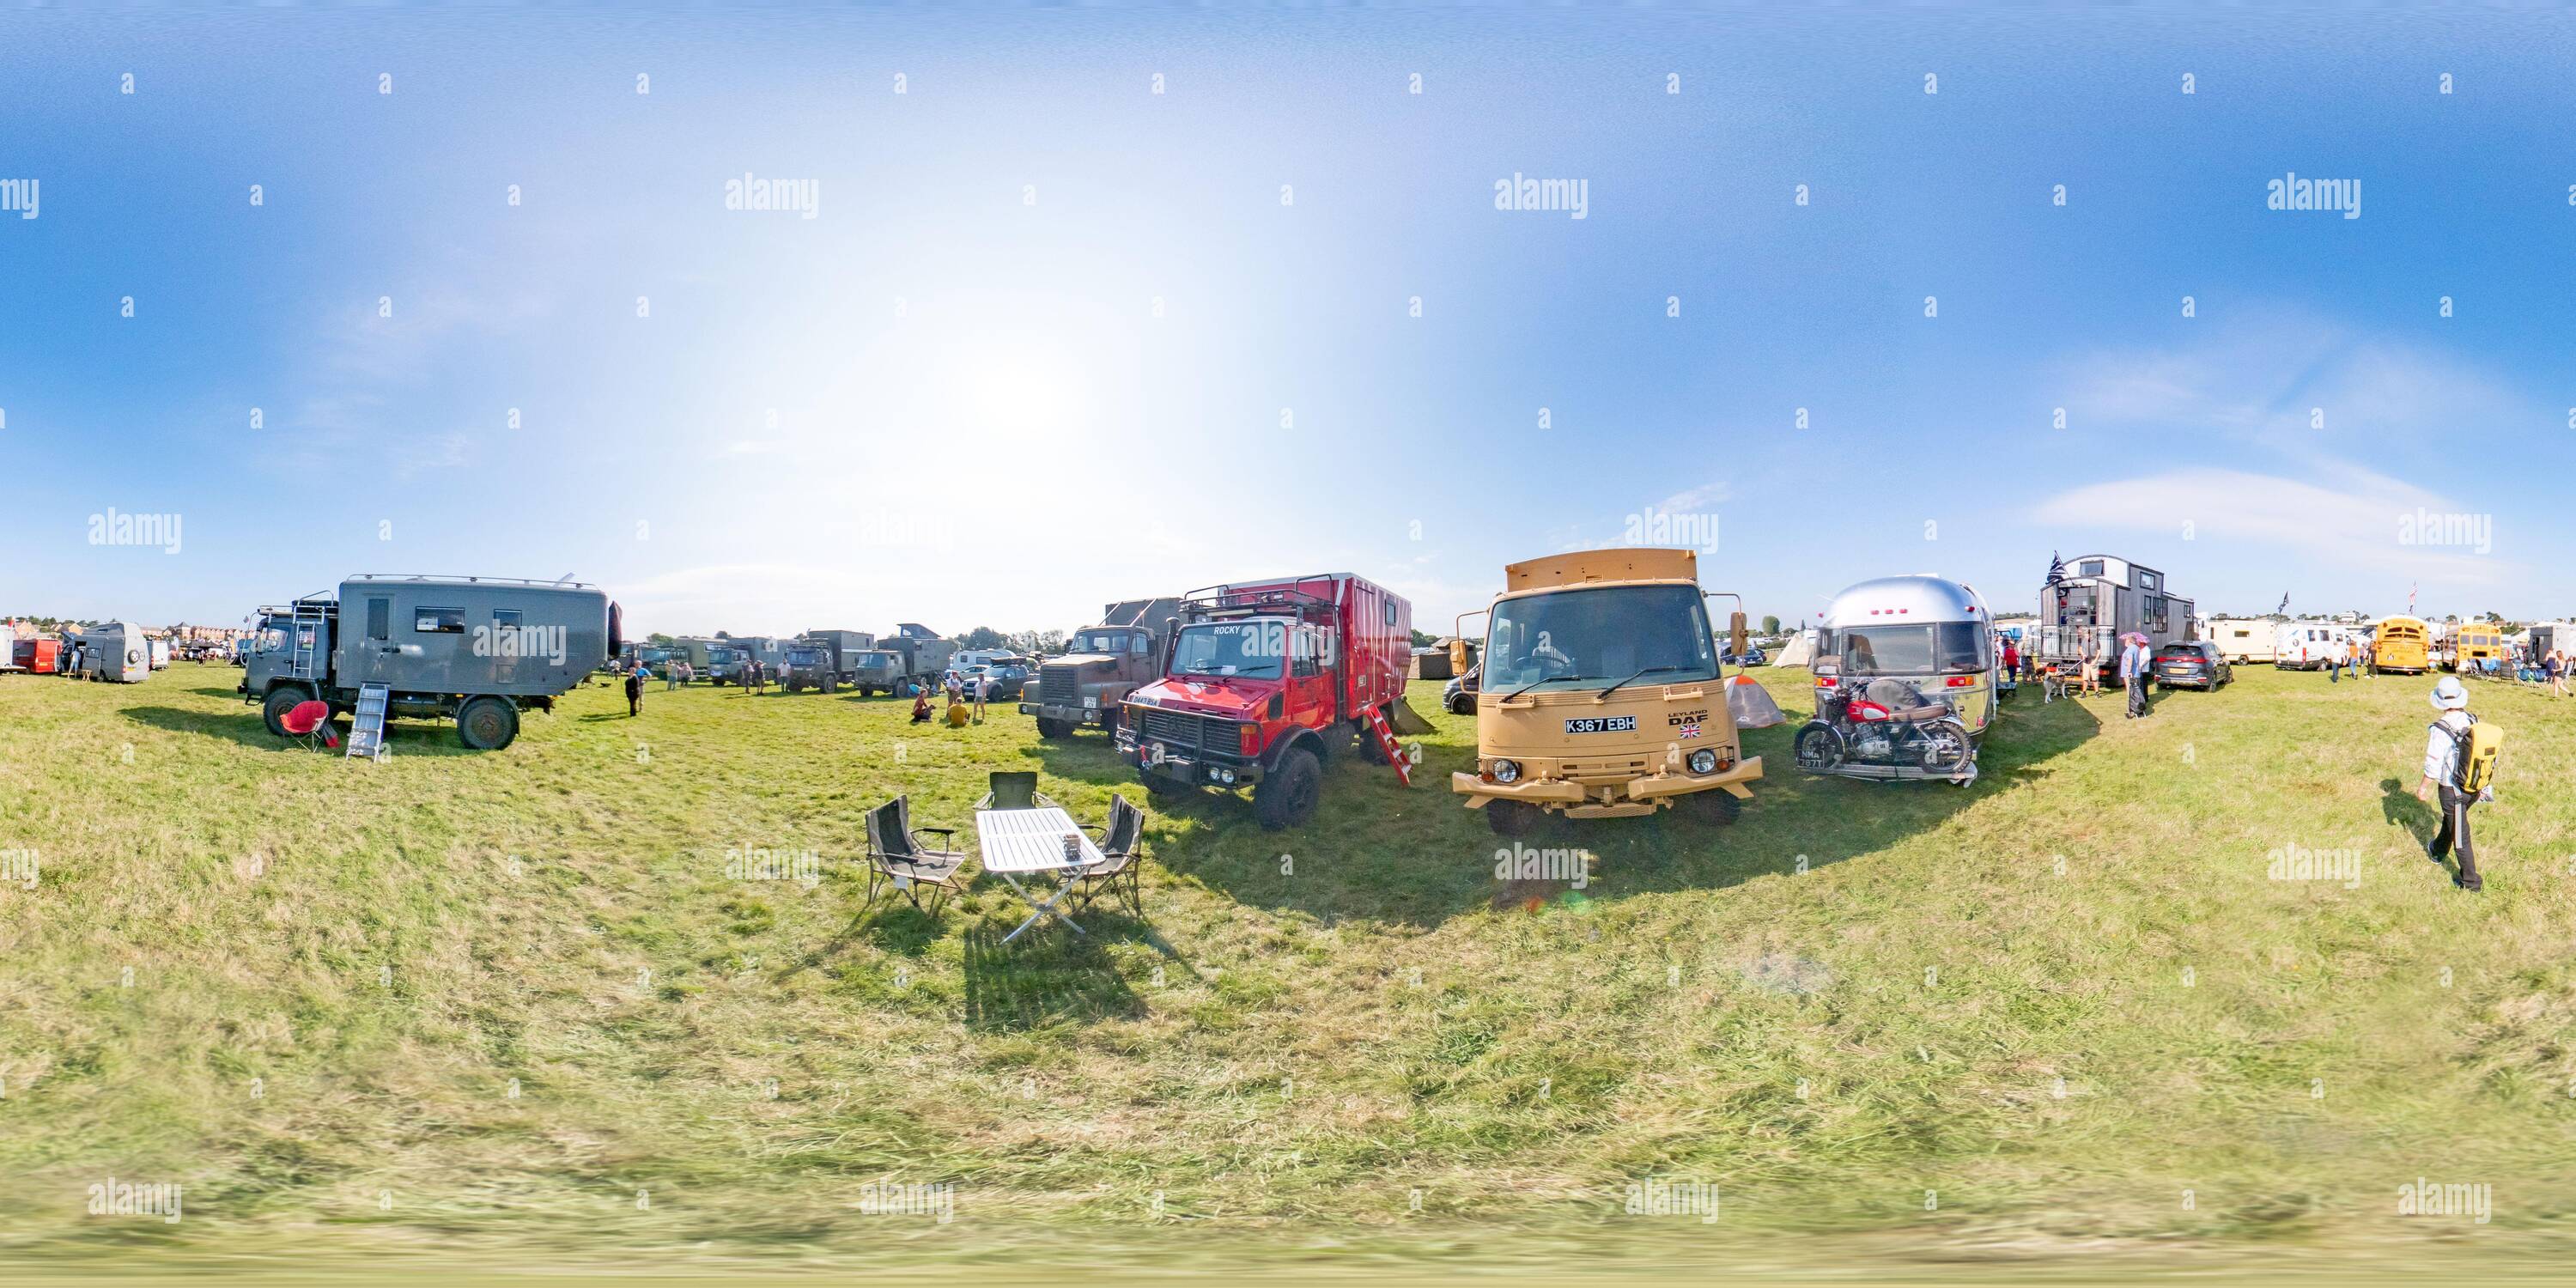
(1506, 771)
(1703, 761)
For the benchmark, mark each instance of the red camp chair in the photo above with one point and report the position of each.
(310, 720)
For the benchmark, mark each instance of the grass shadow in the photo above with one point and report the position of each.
(2397, 804)
(1436, 860)
(1046, 978)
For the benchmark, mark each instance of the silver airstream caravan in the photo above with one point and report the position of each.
(476, 650)
(1936, 635)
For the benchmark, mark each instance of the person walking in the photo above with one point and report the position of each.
(983, 686)
(2012, 661)
(635, 689)
(2554, 668)
(2135, 662)
(2441, 772)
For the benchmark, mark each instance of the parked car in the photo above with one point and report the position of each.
(1459, 694)
(1010, 675)
(1752, 656)
(2192, 664)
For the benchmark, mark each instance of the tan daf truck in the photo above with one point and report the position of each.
(1603, 696)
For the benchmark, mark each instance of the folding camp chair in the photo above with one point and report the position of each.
(310, 720)
(1012, 789)
(1122, 849)
(897, 856)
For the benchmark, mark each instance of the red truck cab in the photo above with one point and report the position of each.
(1262, 683)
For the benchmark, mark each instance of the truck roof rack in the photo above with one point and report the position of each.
(564, 583)
(1210, 602)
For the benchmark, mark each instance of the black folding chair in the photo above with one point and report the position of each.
(1012, 789)
(1122, 852)
(896, 856)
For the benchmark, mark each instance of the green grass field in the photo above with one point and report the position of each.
(508, 1008)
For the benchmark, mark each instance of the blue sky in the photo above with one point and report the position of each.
(1052, 338)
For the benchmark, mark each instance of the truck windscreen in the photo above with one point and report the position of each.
(1594, 638)
(1254, 650)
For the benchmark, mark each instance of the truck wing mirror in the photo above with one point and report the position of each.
(1735, 632)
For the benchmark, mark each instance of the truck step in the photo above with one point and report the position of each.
(1386, 742)
(367, 736)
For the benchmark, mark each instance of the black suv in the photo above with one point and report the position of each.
(2196, 664)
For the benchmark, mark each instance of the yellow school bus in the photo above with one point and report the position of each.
(2404, 647)
(2478, 641)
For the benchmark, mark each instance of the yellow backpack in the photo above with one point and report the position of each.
(2473, 770)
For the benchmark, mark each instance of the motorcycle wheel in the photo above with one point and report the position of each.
(1818, 747)
(1945, 746)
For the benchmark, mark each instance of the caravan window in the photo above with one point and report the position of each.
(438, 621)
(379, 619)
(1948, 648)
(2089, 568)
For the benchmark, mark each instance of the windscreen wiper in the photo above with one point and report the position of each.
(1652, 670)
(1545, 679)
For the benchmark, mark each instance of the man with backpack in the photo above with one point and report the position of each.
(2459, 769)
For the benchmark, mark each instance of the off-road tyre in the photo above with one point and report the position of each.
(1716, 807)
(273, 708)
(1287, 797)
(1050, 727)
(487, 723)
(1513, 818)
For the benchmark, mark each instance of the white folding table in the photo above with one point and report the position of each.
(1013, 843)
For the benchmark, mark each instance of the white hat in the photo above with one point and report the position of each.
(2449, 695)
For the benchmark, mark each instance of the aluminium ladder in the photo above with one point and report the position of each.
(367, 737)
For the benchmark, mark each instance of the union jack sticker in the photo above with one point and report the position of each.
(1690, 730)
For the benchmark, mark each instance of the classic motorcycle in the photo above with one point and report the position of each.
(1883, 729)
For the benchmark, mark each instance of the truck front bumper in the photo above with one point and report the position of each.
(1608, 800)
(1204, 769)
(1071, 715)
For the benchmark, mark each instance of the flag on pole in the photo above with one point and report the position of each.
(2284, 609)
(2056, 569)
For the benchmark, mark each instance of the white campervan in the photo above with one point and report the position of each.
(2309, 646)
(2244, 639)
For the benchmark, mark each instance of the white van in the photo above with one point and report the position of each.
(2244, 639)
(2309, 646)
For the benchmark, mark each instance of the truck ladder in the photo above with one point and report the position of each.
(367, 737)
(1386, 743)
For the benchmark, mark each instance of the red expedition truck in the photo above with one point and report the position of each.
(1263, 682)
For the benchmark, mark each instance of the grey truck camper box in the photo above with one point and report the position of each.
(477, 650)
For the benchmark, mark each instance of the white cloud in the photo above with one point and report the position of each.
(2346, 518)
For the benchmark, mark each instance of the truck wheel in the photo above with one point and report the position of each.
(280, 700)
(1716, 807)
(1287, 797)
(1370, 751)
(487, 723)
(1050, 727)
(1513, 818)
